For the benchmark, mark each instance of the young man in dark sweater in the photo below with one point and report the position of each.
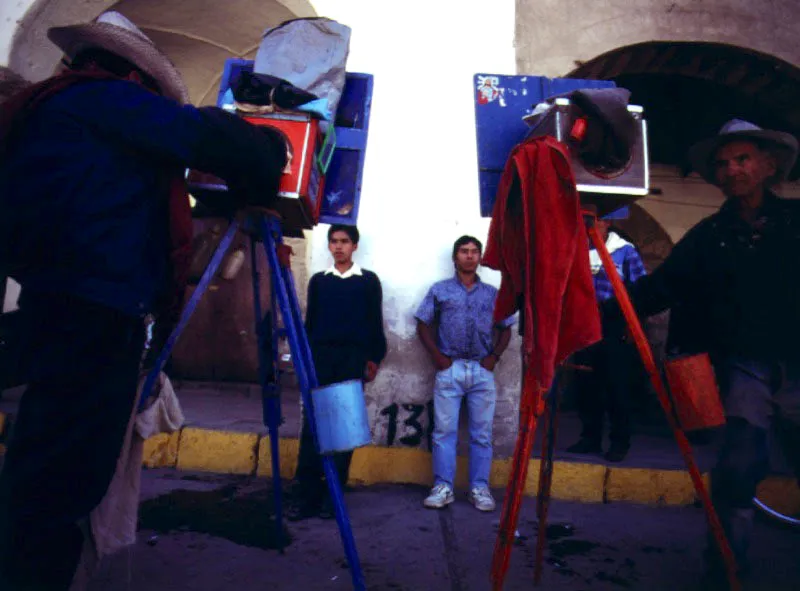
(344, 322)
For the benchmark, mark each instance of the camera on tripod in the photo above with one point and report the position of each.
(302, 183)
(324, 178)
(607, 140)
(607, 136)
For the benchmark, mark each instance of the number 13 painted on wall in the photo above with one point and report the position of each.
(412, 422)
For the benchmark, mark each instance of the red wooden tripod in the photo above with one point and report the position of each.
(530, 412)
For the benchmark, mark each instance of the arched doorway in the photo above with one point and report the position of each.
(690, 89)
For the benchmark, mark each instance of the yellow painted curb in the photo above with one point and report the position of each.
(161, 451)
(578, 482)
(372, 465)
(288, 450)
(501, 472)
(651, 487)
(249, 453)
(217, 451)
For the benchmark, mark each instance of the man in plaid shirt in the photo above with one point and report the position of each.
(604, 374)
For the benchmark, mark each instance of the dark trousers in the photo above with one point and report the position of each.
(81, 363)
(605, 389)
(333, 363)
(312, 488)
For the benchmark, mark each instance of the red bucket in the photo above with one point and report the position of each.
(695, 393)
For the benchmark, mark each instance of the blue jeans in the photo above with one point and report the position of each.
(463, 378)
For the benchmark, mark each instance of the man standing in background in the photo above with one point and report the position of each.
(344, 322)
(604, 375)
(454, 323)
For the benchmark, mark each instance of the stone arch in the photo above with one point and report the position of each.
(689, 89)
(197, 35)
(552, 36)
(649, 236)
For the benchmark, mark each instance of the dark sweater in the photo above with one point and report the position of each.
(346, 316)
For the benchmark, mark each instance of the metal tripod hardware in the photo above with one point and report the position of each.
(264, 227)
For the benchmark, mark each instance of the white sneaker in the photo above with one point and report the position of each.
(482, 499)
(441, 496)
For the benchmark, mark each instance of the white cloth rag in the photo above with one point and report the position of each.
(112, 524)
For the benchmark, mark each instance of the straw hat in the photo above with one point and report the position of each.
(782, 145)
(114, 33)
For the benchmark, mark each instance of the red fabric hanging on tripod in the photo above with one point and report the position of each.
(537, 241)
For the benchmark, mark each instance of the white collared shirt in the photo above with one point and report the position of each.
(354, 270)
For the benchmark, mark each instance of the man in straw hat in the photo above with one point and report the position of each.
(96, 227)
(733, 280)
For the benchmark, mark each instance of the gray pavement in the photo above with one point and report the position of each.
(208, 532)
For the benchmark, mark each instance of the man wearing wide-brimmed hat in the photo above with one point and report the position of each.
(733, 281)
(96, 227)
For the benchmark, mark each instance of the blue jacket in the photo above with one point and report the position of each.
(84, 187)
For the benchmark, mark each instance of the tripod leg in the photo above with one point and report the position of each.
(646, 354)
(304, 366)
(516, 484)
(188, 310)
(546, 477)
(270, 391)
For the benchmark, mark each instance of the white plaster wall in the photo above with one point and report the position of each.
(11, 12)
(420, 189)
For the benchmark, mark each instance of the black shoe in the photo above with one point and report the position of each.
(585, 446)
(617, 452)
(301, 511)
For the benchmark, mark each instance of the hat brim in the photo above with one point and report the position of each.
(137, 50)
(782, 145)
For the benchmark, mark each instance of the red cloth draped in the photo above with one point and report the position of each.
(537, 240)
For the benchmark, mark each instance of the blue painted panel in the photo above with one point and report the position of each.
(343, 180)
(500, 104)
(342, 198)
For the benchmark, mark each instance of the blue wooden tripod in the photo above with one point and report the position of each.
(265, 227)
